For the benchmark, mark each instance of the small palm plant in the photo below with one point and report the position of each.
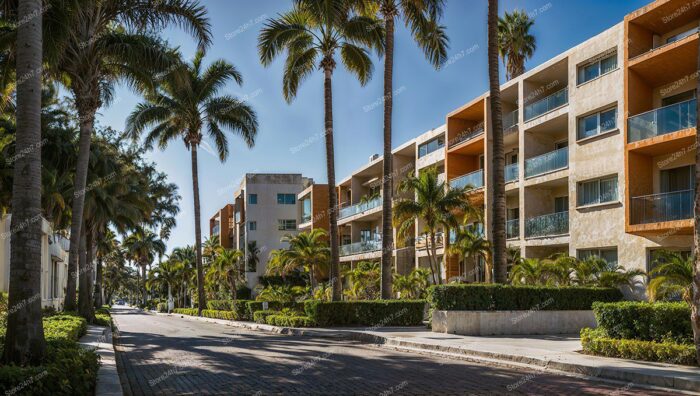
(307, 251)
(470, 245)
(672, 276)
(227, 266)
(528, 271)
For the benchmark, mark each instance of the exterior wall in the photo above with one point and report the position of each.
(224, 219)
(483, 323)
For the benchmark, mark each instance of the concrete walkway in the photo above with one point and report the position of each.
(99, 339)
(554, 353)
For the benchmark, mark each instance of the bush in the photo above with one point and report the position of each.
(254, 306)
(162, 307)
(242, 312)
(103, 320)
(366, 313)
(292, 279)
(259, 316)
(186, 311)
(661, 321)
(65, 327)
(597, 342)
(289, 321)
(208, 313)
(492, 297)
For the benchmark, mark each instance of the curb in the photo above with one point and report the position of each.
(108, 382)
(688, 383)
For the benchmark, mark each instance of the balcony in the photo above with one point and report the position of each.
(549, 162)
(473, 180)
(359, 208)
(511, 173)
(658, 208)
(510, 120)
(361, 247)
(547, 225)
(467, 135)
(543, 106)
(423, 241)
(661, 121)
(513, 229)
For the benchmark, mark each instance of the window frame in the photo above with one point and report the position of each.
(598, 180)
(598, 61)
(598, 251)
(437, 140)
(284, 224)
(252, 199)
(599, 130)
(252, 226)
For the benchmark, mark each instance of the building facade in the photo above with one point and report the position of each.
(221, 225)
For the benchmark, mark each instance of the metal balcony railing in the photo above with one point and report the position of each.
(551, 102)
(361, 247)
(473, 180)
(467, 135)
(656, 208)
(510, 120)
(511, 172)
(550, 224)
(549, 162)
(663, 120)
(513, 229)
(359, 208)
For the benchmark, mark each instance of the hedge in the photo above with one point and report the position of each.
(242, 312)
(186, 311)
(260, 316)
(67, 368)
(597, 342)
(208, 313)
(254, 306)
(289, 321)
(491, 297)
(661, 321)
(366, 313)
(292, 279)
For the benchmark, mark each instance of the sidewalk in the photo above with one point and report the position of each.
(556, 353)
(99, 339)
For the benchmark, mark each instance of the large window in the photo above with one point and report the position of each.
(597, 68)
(252, 199)
(306, 210)
(561, 204)
(607, 254)
(598, 191)
(54, 279)
(430, 146)
(681, 36)
(287, 225)
(597, 123)
(677, 179)
(286, 199)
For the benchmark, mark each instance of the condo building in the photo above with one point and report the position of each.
(600, 153)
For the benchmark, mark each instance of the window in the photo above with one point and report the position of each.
(597, 123)
(512, 213)
(677, 179)
(54, 279)
(561, 204)
(286, 199)
(430, 146)
(252, 225)
(598, 191)
(597, 68)
(365, 235)
(561, 145)
(656, 256)
(287, 225)
(681, 36)
(306, 210)
(678, 98)
(607, 254)
(252, 199)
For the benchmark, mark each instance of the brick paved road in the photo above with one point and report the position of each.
(170, 355)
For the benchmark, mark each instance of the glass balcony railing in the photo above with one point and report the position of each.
(549, 162)
(473, 180)
(467, 135)
(513, 229)
(510, 120)
(661, 121)
(657, 208)
(551, 102)
(359, 208)
(550, 224)
(423, 241)
(360, 247)
(511, 172)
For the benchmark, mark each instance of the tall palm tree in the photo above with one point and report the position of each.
(144, 245)
(471, 245)
(24, 340)
(110, 40)
(515, 43)
(106, 244)
(227, 268)
(312, 33)
(253, 257)
(164, 275)
(695, 306)
(421, 17)
(188, 273)
(210, 248)
(498, 206)
(436, 205)
(186, 106)
(307, 251)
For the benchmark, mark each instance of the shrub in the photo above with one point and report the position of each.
(65, 327)
(242, 312)
(102, 319)
(366, 313)
(254, 306)
(597, 342)
(492, 297)
(289, 321)
(260, 316)
(669, 321)
(162, 307)
(291, 279)
(186, 311)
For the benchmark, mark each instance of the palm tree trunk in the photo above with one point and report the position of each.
(498, 218)
(201, 298)
(695, 306)
(431, 259)
(143, 283)
(24, 340)
(85, 298)
(332, 193)
(433, 248)
(387, 185)
(98, 281)
(170, 296)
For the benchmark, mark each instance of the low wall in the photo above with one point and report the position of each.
(512, 322)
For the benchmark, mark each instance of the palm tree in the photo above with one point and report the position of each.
(471, 245)
(307, 251)
(515, 43)
(210, 248)
(188, 272)
(421, 17)
(364, 280)
(435, 205)
(186, 106)
(24, 340)
(586, 271)
(413, 285)
(144, 245)
(559, 268)
(253, 257)
(106, 244)
(498, 207)
(109, 41)
(695, 306)
(227, 267)
(615, 275)
(528, 271)
(672, 276)
(164, 275)
(311, 33)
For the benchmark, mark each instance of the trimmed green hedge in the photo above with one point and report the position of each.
(366, 313)
(289, 321)
(242, 312)
(260, 316)
(254, 306)
(64, 327)
(492, 297)
(661, 321)
(597, 342)
(186, 311)
(208, 313)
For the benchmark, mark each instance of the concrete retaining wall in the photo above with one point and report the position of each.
(511, 322)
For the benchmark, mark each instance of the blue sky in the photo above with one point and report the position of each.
(289, 134)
